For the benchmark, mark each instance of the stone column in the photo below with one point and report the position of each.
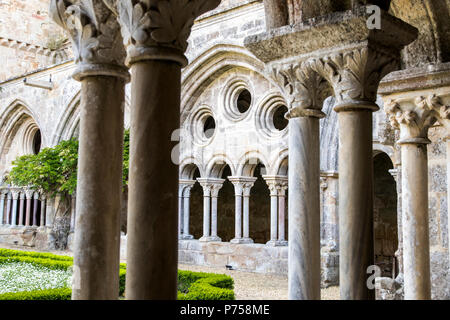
(448, 191)
(186, 199)
(29, 195)
(277, 14)
(43, 207)
(354, 71)
(180, 211)
(413, 115)
(206, 211)
(396, 174)
(211, 187)
(99, 56)
(8, 207)
(242, 186)
(214, 196)
(281, 214)
(15, 199)
(246, 210)
(238, 190)
(155, 34)
(49, 211)
(355, 92)
(35, 208)
(21, 207)
(2, 205)
(273, 214)
(73, 212)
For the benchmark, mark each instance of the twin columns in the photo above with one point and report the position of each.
(242, 187)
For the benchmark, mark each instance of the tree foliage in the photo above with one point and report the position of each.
(54, 170)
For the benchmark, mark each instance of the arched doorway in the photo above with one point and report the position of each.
(385, 216)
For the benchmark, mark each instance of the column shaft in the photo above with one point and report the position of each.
(180, 213)
(35, 210)
(152, 249)
(99, 189)
(28, 211)
(8, 209)
(281, 217)
(246, 220)
(273, 217)
(206, 213)
(304, 209)
(186, 214)
(238, 217)
(14, 211)
(448, 192)
(43, 205)
(214, 217)
(416, 248)
(355, 203)
(2, 207)
(21, 209)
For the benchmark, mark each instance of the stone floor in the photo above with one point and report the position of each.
(256, 286)
(248, 285)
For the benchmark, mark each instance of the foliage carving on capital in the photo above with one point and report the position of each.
(93, 29)
(304, 88)
(355, 74)
(166, 23)
(413, 117)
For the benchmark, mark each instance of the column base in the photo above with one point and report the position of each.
(241, 240)
(210, 239)
(186, 237)
(277, 243)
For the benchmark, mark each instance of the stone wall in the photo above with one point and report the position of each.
(27, 37)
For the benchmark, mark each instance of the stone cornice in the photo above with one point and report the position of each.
(340, 49)
(331, 33)
(427, 77)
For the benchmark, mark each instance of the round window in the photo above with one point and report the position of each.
(209, 127)
(279, 121)
(244, 101)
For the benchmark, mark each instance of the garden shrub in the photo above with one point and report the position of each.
(191, 285)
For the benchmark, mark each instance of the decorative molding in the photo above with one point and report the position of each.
(304, 88)
(158, 29)
(355, 75)
(95, 35)
(414, 116)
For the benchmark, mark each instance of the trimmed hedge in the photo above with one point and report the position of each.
(191, 285)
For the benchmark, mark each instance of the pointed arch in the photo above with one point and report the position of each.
(210, 65)
(16, 119)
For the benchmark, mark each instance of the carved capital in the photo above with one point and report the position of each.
(304, 88)
(158, 29)
(413, 116)
(184, 187)
(211, 186)
(277, 185)
(355, 75)
(242, 185)
(95, 35)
